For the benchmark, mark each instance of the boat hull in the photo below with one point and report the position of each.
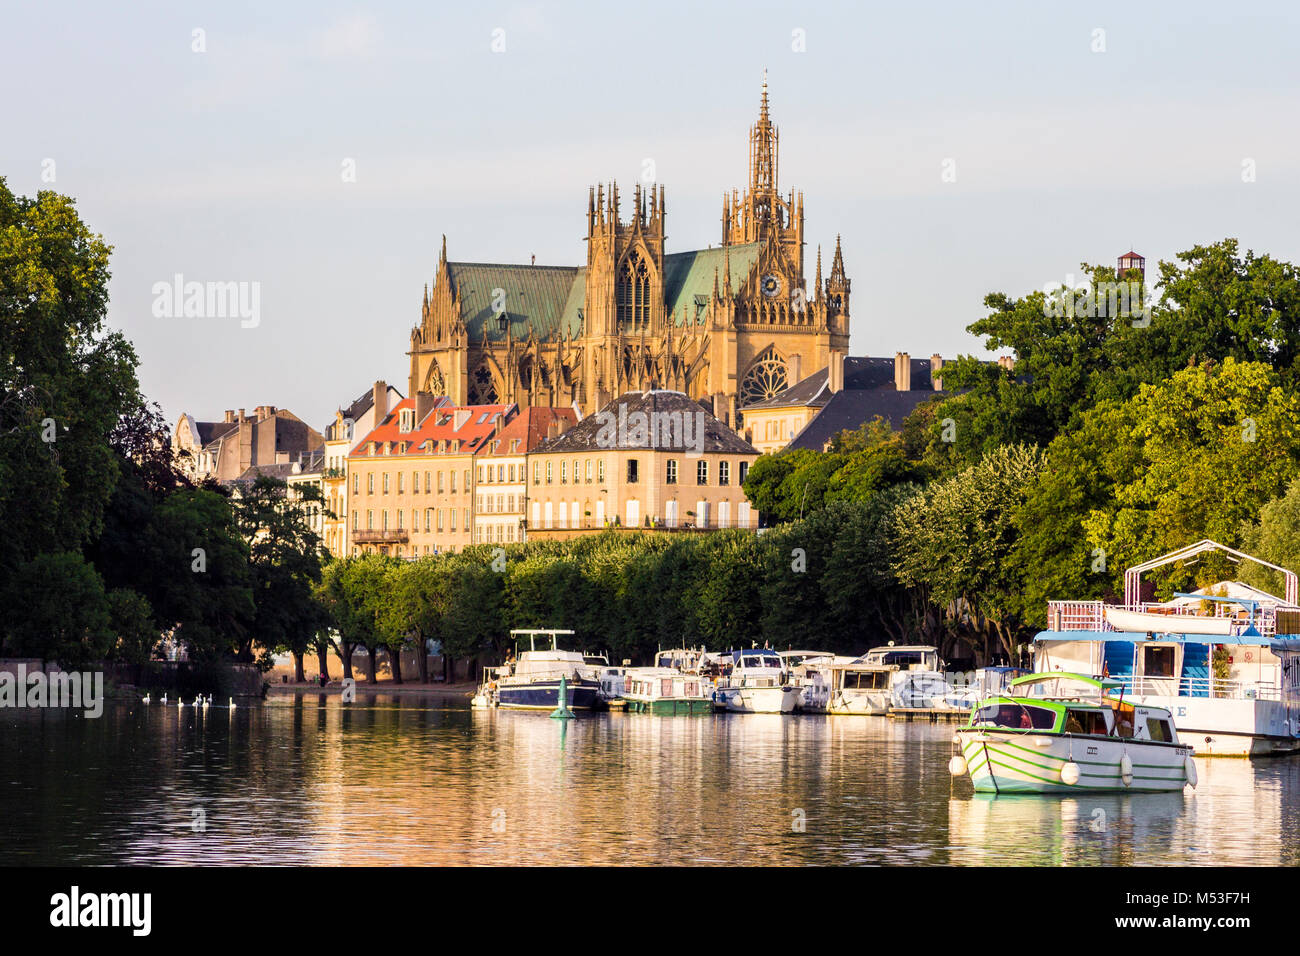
(669, 706)
(1229, 727)
(758, 700)
(868, 703)
(581, 694)
(1024, 762)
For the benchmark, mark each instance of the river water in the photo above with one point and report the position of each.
(403, 779)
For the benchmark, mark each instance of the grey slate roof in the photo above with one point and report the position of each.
(601, 431)
(850, 409)
(861, 373)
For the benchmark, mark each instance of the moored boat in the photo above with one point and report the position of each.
(757, 683)
(857, 687)
(1060, 732)
(665, 690)
(1224, 660)
(533, 681)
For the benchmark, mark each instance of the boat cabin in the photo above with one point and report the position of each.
(1056, 703)
(905, 657)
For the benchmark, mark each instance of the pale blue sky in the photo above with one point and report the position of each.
(225, 165)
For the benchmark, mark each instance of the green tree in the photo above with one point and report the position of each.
(64, 612)
(285, 557)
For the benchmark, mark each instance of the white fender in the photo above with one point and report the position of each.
(1189, 769)
(957, 765)
(1126, 770)
(1070, 774)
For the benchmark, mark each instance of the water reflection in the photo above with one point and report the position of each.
(409, 780)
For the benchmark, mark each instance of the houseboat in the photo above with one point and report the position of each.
(756, 683)
(857, 687)
(533, 681)
(1066, 733)
(665, 690)
(1224, 660)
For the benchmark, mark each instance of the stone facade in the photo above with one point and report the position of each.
(677, 467)
(726, 326)
(225, 450)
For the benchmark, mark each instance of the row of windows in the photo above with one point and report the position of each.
(499, 473)
(560, 514)
(701, 472)
(634, 472)
(499, 533)
(433, 520)
(580, 471)
(503, 503)
(564, 472)
(385, 484)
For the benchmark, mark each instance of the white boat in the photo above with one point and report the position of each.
(1226, 665)
(920, 689)
(857, 687)
(1147, 621)
(905, 656)
(1066, 733)
(810, 672)
(757, 683)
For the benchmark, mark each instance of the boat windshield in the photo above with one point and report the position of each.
(1017, 716)
(760, 661)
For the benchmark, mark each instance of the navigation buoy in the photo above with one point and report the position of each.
(1189, 770)
(957, 765)
(562, 712)
(1126, 770)
(1070, 774)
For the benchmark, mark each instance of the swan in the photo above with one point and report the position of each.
(164, 700)
(146, 699)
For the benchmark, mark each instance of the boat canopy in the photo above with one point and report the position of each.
(1101, 683)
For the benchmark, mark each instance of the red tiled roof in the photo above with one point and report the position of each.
(438, 425)
(530, 427)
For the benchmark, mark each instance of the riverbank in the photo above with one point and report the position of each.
(458, 691)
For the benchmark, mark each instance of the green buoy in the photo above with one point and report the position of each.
(562, 712)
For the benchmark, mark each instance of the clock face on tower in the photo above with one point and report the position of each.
(771, 286)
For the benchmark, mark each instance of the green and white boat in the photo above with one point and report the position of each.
(666, 690)
(1067, 734)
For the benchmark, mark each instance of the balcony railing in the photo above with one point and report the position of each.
(371, 536)
(1091, 616)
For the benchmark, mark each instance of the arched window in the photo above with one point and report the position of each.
(632, 295)
(482, 388)
(765, 378)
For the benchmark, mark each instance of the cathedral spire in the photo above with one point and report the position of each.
(817, 289)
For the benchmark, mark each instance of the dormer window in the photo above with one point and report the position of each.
(406, 421)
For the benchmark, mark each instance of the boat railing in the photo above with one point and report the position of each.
(1210, 687)
(1091, 615)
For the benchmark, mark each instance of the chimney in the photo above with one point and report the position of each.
(424, 404)
(936, 363)
(1007, 362)
(902, 371)
(242, 416)
(835, 373)
(380, 398)
(461, 416)
(230, 415)
(552, 429)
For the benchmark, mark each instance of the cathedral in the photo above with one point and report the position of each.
(729, 326)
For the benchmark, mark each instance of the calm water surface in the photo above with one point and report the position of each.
(302, 780)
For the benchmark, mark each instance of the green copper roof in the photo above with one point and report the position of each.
(550, 299)
(534, 297)
(690, 274)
